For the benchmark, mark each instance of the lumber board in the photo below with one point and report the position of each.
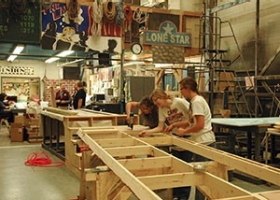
(121, 142)
(61, 111)
(172, 180)
(220, 188)
(262, 171)
(148, 163)
(142, 150)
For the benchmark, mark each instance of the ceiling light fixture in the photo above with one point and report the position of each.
(15, 53)
(58, 56)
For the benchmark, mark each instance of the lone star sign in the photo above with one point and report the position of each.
(168, 35)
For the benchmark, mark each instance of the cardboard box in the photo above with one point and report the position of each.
(16, 132)
(19, 119)
(34, 122)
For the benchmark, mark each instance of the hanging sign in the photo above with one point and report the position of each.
(167, 35)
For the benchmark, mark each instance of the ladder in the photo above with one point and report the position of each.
(222, 70)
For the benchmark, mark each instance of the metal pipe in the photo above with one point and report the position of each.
(257, 52)
(121, 81)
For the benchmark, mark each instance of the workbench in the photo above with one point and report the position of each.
(55, 123)
(270, 134)
(250, 126)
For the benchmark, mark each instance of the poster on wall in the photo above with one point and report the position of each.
(63, 31)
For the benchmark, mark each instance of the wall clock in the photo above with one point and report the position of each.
(136, 48)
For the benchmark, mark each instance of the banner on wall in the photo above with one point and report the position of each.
(60, 33)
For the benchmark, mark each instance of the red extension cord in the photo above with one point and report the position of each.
(41, 159)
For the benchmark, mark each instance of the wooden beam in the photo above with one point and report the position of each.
(157, 141)
(117, 190)
(158, 77)
(104, 131)
(124, 193)
(222, 189)
(130, 151)
(177, 75)
(120, 142)
(147, 163)
(172, 180)
(262, 171)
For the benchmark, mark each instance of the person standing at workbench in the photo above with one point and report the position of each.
(80, 97)
(62, 97)
(200, 127)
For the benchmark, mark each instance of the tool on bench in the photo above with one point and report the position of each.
(131, 119)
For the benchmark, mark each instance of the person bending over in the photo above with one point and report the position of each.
(148, 110)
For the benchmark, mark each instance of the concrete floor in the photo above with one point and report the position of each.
(20, 182)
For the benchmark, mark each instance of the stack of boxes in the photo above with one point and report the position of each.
(25, 129)
(32, 126)
(16, 129)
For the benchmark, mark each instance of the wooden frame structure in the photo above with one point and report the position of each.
(129, 164)
(58, 123)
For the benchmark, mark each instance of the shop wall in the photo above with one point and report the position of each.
(192, 5)
(243, 20)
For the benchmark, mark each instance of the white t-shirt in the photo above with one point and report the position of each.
(178, 111)
(199, 106)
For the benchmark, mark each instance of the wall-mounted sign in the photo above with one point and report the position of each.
(16, 70)
(167, 35)
(20, 21)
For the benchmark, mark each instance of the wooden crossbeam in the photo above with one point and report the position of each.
(105, 130)
(147, 163)
(158, 141)
(172, 180)
(117, 190)
(130, 151)
(220, 188)
(120, 142)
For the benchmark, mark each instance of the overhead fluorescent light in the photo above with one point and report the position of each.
(16, 51)
(72, 62)
(51, 60)
(57, 57)
(65, 53)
